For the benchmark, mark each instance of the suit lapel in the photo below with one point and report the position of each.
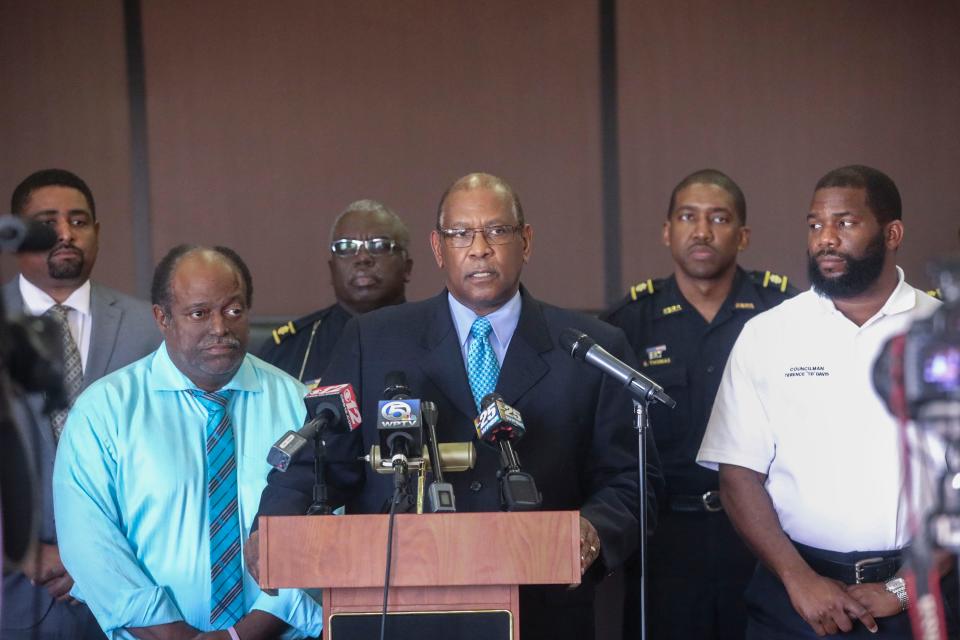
(443, 363)
(523, 365)
(106, 324)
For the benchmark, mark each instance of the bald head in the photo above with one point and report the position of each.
(475, 181)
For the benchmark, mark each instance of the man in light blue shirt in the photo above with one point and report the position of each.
(161, 465)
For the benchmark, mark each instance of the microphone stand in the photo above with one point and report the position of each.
(320, 505)
(641, 416)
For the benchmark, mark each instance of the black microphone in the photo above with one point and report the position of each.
(399, 422)
(499, 425)
(583, 347)
(440, 494)
(327, 408)
(19, 235)
(287, 447)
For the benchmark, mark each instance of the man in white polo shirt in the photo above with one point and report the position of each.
(809, 459)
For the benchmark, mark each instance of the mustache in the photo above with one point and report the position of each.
(63, 245)
(823, 253)
(221, 342)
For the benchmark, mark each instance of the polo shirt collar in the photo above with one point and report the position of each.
(903, 298)
(165, 376)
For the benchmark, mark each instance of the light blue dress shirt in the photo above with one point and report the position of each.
(130, 493)
(504, 322)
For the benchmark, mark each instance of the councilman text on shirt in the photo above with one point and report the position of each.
(158, 477)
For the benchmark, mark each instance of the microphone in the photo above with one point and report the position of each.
(19, 235)
(327, 408)
(399, 422)
(499, 425)
(440, 494)
(583, 347)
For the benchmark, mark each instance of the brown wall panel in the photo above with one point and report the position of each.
(778, 93)
(63, 71)
(265, 119)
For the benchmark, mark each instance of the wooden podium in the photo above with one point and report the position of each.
(442, 562)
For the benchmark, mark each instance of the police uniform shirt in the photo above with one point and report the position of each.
(685, 354)
(310, 338)
(797, 403)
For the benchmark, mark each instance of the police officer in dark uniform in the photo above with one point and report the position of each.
(682, 329)
(369, 269)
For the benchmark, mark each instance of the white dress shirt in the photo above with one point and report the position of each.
(37, 302)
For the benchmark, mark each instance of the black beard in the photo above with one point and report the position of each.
(65, 270)
(861, 272)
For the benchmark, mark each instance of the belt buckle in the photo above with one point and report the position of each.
(860, 565)
(711, 501)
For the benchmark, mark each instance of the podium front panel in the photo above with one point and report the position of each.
(436, 625)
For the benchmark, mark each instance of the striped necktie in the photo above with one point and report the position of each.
(72, 366)
(482, 366)
(226, 568)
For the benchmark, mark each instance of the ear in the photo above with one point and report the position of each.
(407, 269)
(435, 241)
(163, 322)
(744, 238)
(893, 235)
(665, 235)
(526, 236)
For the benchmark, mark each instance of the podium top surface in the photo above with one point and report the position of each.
(435, 549)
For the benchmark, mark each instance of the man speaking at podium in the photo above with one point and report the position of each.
(579, 446)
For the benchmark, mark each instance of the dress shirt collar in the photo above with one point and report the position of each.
(37, 302)
(504, 322)
(165, 376)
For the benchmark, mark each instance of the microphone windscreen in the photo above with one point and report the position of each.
(395, 384)
(576, 342)
(489, 399)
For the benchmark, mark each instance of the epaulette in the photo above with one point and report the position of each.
(291, 328)
(643, 288)
(935, 293)
(283, 331)
(770, 280)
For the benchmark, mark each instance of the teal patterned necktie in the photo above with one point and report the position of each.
(482, 366)
(226, 568)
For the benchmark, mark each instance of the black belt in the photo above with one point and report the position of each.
(708, 502)
(853, 568)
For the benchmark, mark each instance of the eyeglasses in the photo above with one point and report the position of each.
(463, 238)
(346, 247)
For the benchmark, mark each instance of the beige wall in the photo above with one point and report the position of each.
(64, 104)
(778, 93)
(265, 118)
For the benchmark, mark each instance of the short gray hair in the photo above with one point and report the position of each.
(401, 233)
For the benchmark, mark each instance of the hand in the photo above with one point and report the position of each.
(44, 568)
(825, 605)
(589, 544)
(43, 564)
(875, 599)
(251, 557)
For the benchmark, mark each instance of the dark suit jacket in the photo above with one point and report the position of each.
(123, 331)
(579, 445)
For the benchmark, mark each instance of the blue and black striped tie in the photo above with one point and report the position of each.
(226, 567)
